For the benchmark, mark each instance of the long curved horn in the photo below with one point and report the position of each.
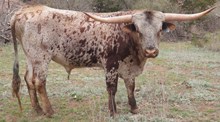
(116, 19)
(186, 17)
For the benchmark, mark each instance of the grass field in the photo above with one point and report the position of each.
(181, 84)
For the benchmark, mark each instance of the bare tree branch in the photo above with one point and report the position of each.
(3, 5)
(126, 5)
(8, 3)
(7, 39)
(68, 5)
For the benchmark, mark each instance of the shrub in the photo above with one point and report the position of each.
(107, 5)
(161, 5)
(199, 5)
(210, 41)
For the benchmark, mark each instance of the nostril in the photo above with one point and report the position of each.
(151, 53)
(151, 48)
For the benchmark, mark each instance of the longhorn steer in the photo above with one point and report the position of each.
(119, 43)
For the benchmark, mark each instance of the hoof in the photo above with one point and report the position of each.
(135, 111)
(49, 113)
(113, 114)
(39, 111)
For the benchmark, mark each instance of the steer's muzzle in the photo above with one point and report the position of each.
(151, 53)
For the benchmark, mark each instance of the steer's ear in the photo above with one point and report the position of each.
(129, 28)
(167, 27)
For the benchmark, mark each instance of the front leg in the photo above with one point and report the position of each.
(111, 82)
(130, 85)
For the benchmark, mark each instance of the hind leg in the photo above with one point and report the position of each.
(40, 72)
(32, 91)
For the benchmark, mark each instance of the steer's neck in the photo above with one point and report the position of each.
(137, 51)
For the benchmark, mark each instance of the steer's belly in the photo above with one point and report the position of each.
(77, 61)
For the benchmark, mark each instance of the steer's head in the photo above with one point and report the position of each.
(146, 26)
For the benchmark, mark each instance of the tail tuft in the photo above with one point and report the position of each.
(16, 83)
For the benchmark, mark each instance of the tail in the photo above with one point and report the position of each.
(16, 81)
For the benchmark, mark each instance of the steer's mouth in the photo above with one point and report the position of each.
(151, 53)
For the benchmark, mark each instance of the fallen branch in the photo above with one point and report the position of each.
(7, 29)
(7, 39)
(3, 3)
